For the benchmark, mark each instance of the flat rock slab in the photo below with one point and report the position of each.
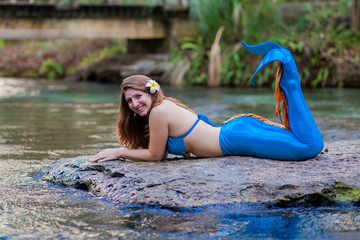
(331, 178)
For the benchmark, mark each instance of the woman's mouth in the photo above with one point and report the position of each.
(140, 109)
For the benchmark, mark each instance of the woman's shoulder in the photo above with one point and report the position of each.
(166, 105)
(169, 109)
(164, 108)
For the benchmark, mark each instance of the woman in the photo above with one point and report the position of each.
(151, 124)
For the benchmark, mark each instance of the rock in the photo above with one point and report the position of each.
(330, 178)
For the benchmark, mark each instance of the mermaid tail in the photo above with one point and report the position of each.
(247, 135)
(265, 48)
(301, 121)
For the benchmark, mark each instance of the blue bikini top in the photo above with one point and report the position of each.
(175, 145)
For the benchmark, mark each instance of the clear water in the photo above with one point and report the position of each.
(42, 121)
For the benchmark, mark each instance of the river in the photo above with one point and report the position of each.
(42, 121)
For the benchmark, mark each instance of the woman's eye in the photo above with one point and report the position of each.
(138, 96)
(129, 100)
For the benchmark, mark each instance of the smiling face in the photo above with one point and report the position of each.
(140, 102)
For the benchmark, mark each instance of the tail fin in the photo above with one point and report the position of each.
(272, 51)
(262, 48)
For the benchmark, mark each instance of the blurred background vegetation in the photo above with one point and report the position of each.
(323, 41)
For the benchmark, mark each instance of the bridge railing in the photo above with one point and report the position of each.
(74, 2)
(77, 1)
(20, 19)
(90, 8)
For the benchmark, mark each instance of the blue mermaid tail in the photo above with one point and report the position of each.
(273, 52)
(249, 136)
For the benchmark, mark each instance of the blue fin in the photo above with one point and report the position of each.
(272, 51)
(262, 48)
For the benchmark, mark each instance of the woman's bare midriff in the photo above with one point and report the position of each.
(203, 141)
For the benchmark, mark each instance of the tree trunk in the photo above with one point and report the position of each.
(215, 61)
(355, 16)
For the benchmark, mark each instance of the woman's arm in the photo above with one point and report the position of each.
(158, 126)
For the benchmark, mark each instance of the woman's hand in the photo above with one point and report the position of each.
(107, 155)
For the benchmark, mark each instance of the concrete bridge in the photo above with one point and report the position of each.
(26, 20)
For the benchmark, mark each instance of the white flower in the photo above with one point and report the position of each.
(153, 85)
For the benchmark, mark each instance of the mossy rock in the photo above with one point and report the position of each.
(341, 193)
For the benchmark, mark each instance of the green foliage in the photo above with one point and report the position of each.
(51, 69)
(2, 43)
(262, 21)
(319, 40)
(327, 39)
(106, 52)
(194, 52)
(321, 77)
(234, 69)
(244, 21)
(210, 15)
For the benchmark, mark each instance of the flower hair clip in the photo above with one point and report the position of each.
(153, 85)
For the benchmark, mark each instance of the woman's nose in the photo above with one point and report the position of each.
(135, 103)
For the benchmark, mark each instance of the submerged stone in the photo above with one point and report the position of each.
(330, 178)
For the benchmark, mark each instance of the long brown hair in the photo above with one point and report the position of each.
(133, 130)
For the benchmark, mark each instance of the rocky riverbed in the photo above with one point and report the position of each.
(331, 178)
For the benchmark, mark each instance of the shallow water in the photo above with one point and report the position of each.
(42, 121)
